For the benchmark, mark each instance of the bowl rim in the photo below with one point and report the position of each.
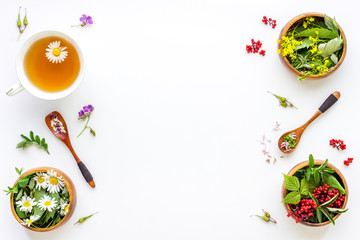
(72, 197)
(285, 60)
(316, 162)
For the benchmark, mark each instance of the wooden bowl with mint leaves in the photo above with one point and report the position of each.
(315, 193)
(42, 199)
(312, 45)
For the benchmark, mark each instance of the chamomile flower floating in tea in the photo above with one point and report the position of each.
(47, 203)
(55, 183)
(30, 220)
(26, 204)
(56, 53)
(41, 180)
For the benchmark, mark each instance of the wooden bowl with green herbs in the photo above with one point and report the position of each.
(312, 45)
(315, 193)
(43, 199)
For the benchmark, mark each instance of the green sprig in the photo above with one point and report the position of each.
(15, 189)
(33, 140)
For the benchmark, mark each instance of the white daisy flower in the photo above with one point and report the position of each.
(41, 180)
(55, 183)
(26, 204)
(64, 208)
(55, 53)
(30, 220)
(47, 203)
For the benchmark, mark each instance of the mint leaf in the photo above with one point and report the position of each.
(304, 187)
(292, 198)
(305, 44)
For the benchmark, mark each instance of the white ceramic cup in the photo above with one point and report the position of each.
(25, 83)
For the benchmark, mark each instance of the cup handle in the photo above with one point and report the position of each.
(15, 89)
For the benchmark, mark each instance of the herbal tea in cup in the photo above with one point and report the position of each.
(50, 66)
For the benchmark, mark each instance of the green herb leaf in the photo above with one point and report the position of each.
(337, 210)
(328, 22)
(316, 176)
(330, 47)
(292, 198)
(32, 184)
(19, 171)
(317, 32)
(328, 216)
(311, 161)
(32, 136)
(307, 174)
(23, 182)
(305, 44)
(21, 214)
(304, 187)
(334, 59)
(322, 166)
(325, 204)
(334, 183)
(28, 141)
(291, 183)
(318, 215)
(81, 220)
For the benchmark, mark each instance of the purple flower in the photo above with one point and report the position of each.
(85, 114)
(86, 20)
(81, 113)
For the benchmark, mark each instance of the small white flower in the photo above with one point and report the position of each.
(55, 53)
(55, 183)
(30, 220)
(26, 204)
(64, 209)
(47, 203)
(41, 180)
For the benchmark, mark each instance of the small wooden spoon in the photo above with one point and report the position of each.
(64, 137)
(299, 131)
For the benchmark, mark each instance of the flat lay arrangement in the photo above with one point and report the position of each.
(194, 120)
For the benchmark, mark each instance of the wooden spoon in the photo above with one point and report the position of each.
(299, 131)
(64, 137)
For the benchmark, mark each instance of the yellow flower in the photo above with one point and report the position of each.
(319, 52)
(317, 32)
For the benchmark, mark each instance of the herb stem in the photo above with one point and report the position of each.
(86, 126)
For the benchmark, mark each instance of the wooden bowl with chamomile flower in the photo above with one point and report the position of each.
(44, 199)
(312, 45)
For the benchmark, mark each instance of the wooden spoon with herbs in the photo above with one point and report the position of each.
(290, 140)
(57, 126)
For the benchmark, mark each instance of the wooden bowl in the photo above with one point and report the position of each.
(72, 195)
(317, 162)
(285, 61)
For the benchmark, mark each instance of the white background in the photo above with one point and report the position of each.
(179, 109)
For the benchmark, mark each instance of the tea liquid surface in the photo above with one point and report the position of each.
(48, 76)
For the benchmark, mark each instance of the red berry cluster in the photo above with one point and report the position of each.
(270, 21)
(303, 210)
(255, 47)
(339, 144)
(348, 161)
(323, 194)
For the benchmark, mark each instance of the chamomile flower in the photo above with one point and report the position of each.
(30, 220)
(47, 203)
(64, 208)
(55, 53)
(55, 183)
(26, 204)
(41, 180)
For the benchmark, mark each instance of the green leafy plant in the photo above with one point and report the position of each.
(21, 183)
(312, 45)
(33, 140)
(284, 102)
